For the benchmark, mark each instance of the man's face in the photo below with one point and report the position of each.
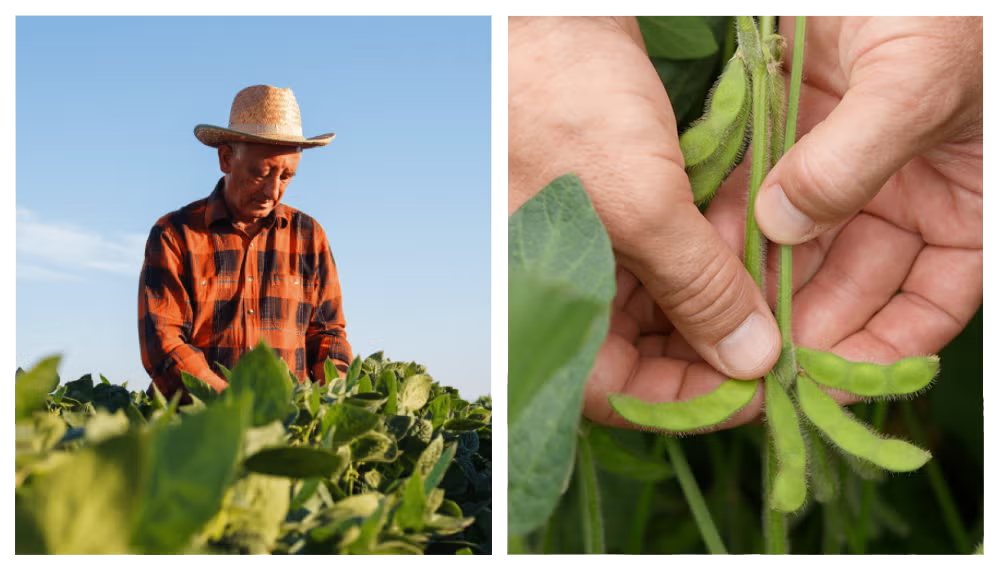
(256, 177)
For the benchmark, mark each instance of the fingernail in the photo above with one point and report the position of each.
(782, 222)
(746, 348)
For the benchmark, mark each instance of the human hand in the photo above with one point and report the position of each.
(887, 183)
(584, 98)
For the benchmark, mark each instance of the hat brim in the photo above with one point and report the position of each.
(214, 136)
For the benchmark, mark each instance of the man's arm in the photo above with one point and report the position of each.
(326, 336)
(165, 317)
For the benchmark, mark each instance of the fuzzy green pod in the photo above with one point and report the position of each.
(713, 146)
(789, 490)
(853, 437)
(697, 413)
(865, 379)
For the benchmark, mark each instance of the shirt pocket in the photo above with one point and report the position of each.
(291, 293)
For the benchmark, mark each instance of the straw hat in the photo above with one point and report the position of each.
(262, 114)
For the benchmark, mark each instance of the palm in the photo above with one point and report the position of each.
(904, 275)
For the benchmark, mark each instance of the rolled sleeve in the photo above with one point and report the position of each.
(326, 336)
(165, 318)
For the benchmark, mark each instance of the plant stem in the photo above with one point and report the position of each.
(945, 501)
(786, 368)
(695, 500)
(753, 252)
(868, 487)
(590, 497)
(775, 527)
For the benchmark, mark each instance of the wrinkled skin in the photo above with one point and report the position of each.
(888, 174)
(257, 176)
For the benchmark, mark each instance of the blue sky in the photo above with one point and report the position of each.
(105, 113)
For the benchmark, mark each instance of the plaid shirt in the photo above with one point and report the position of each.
(208, 293)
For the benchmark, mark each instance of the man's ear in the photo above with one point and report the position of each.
(225, 158)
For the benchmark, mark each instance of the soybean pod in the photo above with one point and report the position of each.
(789, 490)
(853, 437)
(715, 144)
(694, 414)
(865, 379)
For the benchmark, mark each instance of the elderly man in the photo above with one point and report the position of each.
(239, 266)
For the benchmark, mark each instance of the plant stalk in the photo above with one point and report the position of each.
(695, 500)
(590, 496)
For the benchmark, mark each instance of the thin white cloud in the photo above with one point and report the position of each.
(56, 249)
(29, 272)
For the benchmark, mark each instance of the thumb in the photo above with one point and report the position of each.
(705, 291)
(840, 165)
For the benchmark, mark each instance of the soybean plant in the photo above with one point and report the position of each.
(749, 95)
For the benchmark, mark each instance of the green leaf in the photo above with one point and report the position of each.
(364, 385)
(261, 373)
(81, 389)
(199, 388)
(557, 237)
(348, 423)
(623, 461)
(434, 475)
(677, 37)
(84, 505)
(188, 474)
(374, 446)
(305, 492)
(410, 514)
(31, 388)
(414, 393)
(440, 408)
(463, 424)
(295, 462)
(389, 379)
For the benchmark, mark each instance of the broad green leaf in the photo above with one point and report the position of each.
(188, 474)
(111, 397)
(226, 373)
(253, 511)
(313, 400)
(463, 424)
(677, 37)
(414, 392)
(353, 373)
(613, 457)
(410, 514)
(547, 325)
(374, 446)
(370, 401)
(103, 425)
(295, 462)
(557, 236)
(364, 385)
(347, 422)
(81, 389)
(440, 408)
(436, 473)
(199, 388)
(389, 379)
(31, 388)
(305, 492)
(84, 505)
(261, 373)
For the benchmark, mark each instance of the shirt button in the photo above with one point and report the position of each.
(249, 278)
(251, 311)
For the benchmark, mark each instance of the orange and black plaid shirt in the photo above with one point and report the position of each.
(208, 293)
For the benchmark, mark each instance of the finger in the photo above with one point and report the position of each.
(941, 294)
(620, 369)
(632, 300)
(864, 268)
(835, 169)
(704, 290)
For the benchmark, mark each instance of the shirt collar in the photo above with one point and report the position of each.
(216, 209)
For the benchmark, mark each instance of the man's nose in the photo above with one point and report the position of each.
(272, 188)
